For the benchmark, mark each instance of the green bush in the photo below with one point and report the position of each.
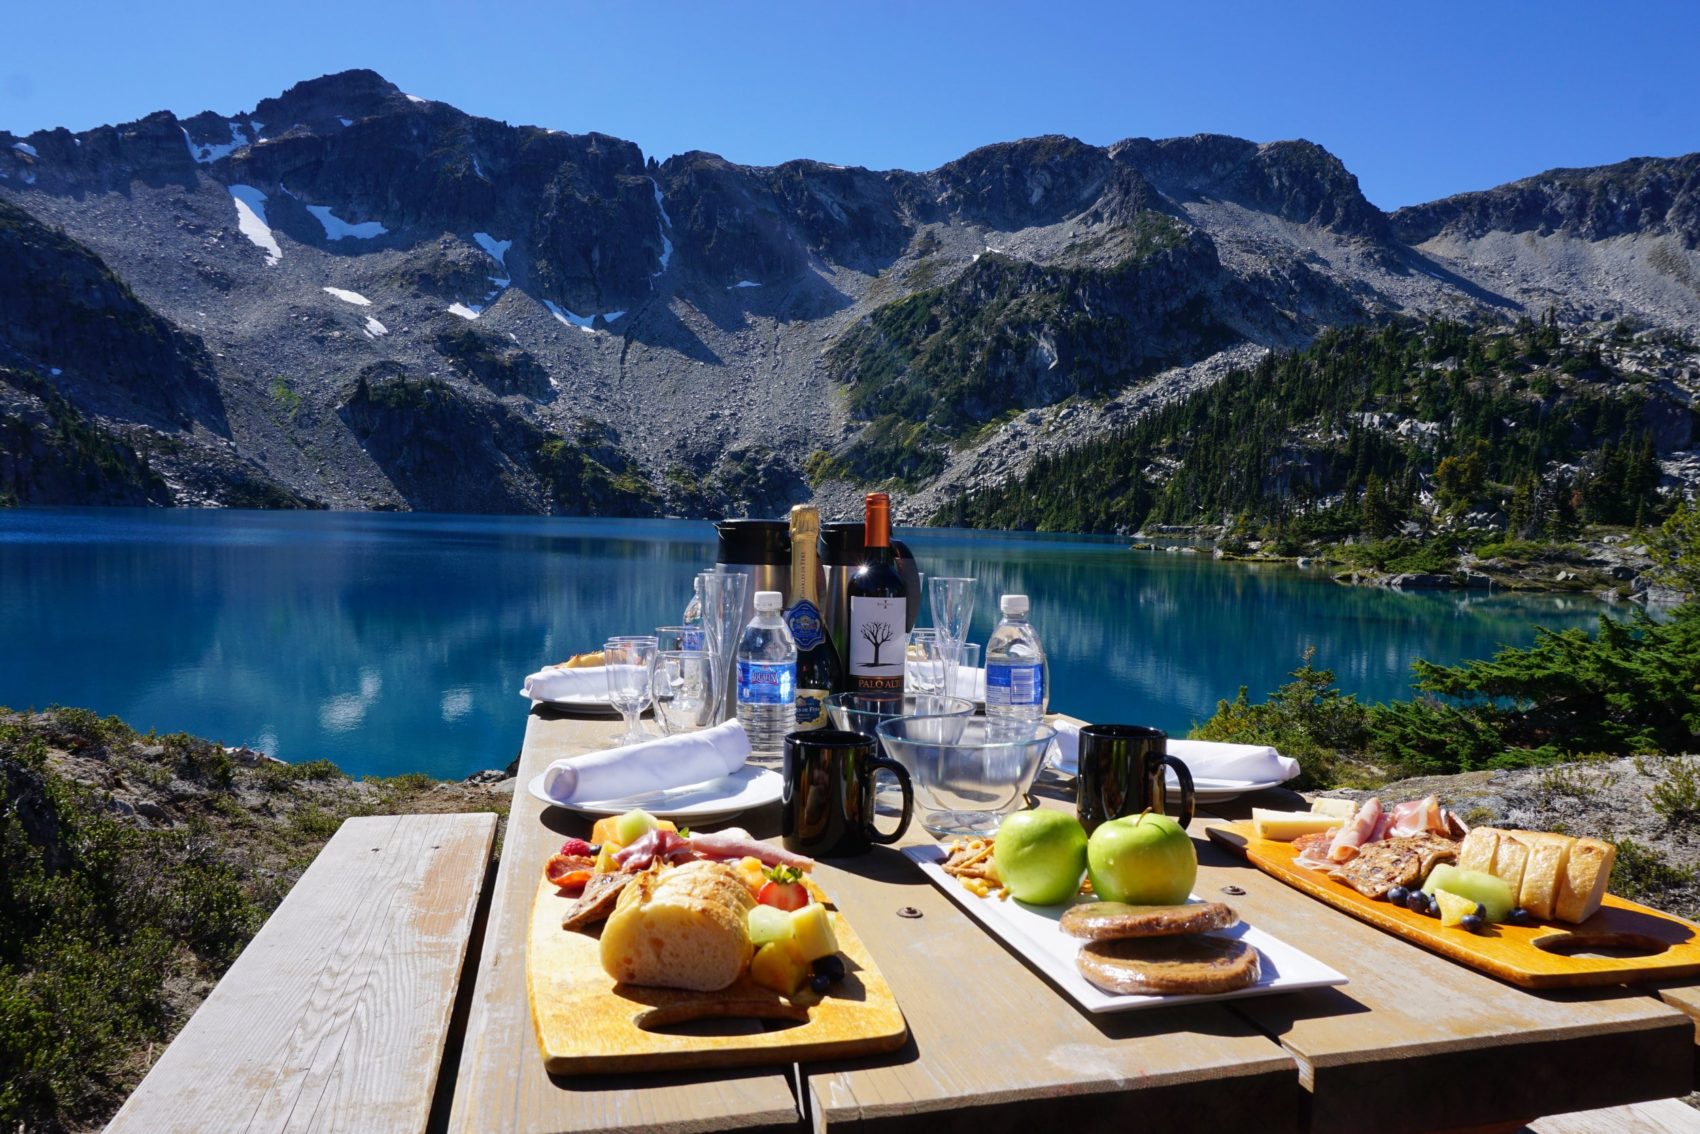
(1307, 719)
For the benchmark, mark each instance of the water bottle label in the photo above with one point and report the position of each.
(1015, 684)
(811, 709)
(766, 683)
(691, 638)
(805, 623)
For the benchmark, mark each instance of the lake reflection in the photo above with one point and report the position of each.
(392, 643)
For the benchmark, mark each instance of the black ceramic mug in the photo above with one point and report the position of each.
(827, 803)
(1121, 773)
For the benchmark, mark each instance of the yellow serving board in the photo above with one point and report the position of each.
(1538, 955)
(589, 1024)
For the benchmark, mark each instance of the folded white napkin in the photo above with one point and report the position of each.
(552, 683)
(1205, 759)
(667, 762)
(969, 683)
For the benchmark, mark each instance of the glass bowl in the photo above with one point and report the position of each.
(968, 772)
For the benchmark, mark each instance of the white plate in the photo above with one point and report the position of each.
(1204, 791)
(748, 787)
(598, 704)
(1033, 933)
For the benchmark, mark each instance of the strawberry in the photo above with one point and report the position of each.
(783, 889)
(577, 847)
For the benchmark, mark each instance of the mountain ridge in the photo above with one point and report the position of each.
(720, 319)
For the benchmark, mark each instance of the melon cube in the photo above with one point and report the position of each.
(811, 933)
(768, 923)
(775, 966)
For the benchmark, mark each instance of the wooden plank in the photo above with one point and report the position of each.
(1686, 999)
(1520, 954)
(335, 1016)
(1666, 1116)
(501, 1085)
(587, 1024)
(1444, 1043)
(995, 1047)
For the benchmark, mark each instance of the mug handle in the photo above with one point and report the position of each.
(902, 774)
(1184, 774)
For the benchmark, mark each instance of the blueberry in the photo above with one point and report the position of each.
(831, 967)
(1475, 923)
(820, 982)
(1398, 895)
(1416, 901)
(1481, 911)
(1520, 916)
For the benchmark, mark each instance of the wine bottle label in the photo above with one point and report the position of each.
(811, 708)
(767, 683)
(1015, 684)
(877, 641)
(806, 626)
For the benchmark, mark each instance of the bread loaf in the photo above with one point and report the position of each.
(1543, 871)
(682, 927)
(1510, 856)
(1582, 887)
(1477, 850)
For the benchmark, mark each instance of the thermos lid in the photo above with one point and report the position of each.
(841, 543)
(754, 541)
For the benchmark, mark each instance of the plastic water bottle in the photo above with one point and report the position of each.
(693, 638)
(1018, 680)
(767, 679)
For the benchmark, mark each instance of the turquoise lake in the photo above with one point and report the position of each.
(397, 643)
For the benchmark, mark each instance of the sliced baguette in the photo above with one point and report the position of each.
(1582, 887)
(1543, 872)
(1477, 850)
(683, 927)
(1510, 856)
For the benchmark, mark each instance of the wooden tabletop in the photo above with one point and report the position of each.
(1414, 1042)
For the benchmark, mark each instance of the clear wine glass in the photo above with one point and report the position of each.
(628, 664)
(953, 609)
(923, 668)
(722, 622)
(683, 690)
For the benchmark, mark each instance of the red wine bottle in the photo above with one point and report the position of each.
(879, 607)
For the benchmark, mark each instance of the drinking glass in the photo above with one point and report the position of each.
(722, 622)
(627, 665)
(923, 668)
(683, 690)
(967, 773)
(679, 638)
(969, 680)
(953, 609)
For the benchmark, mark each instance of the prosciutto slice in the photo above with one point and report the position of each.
(1356, 831)
(736, 843)
(1417, 817)
(658, 844)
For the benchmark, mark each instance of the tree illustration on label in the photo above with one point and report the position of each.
(876, 634)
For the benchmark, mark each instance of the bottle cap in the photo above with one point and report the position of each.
(768, 600)
(1013, 604)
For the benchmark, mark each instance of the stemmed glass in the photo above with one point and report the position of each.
(953, 608)
(722, 621)
(628, 663)
(683, 688)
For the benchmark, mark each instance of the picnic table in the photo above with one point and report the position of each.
(1413, 1043)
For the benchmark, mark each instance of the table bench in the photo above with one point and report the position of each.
(335, 1016)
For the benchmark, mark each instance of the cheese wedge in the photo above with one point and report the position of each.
(1341, 809)
(1509, 858)
(1583, 886)
(1543, 872)
(1477, 850)
(1285, 826)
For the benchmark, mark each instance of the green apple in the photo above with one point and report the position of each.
(1041, 856)
(1144, 860)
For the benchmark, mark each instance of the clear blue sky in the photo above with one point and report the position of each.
(1419, 99)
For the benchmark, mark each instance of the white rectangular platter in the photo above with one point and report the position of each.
(1033, 934)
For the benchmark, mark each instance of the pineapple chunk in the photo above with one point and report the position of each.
(750, 874)
(811, 933)
(1453, 909)
(776, 966)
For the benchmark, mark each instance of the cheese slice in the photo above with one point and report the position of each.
(1509, 858)
(1285, 826)
(1341, 809)
(1543, 872)
(1583, 886)
(1477, 850)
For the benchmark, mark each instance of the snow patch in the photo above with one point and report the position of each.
(56, 372)
(374, 328)
(582, 322)
(251, 221)
(416, 98)
(478, 169)
(345, 121)
(464, 311)
(353, 297)
(206, 155)
(664, 227)
(743, 283)
(25, 148)
(336, 229)
(496, 249)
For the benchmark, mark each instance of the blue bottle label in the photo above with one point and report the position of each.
(691, 638)
(805, 623)
(811, 709)
(767, 683)
(1015, 684)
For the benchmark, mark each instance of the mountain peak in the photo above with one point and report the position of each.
(346, 94)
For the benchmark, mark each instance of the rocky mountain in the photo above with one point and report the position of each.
(355, 297)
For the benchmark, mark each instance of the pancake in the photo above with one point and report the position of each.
(1197, 965)
(1113, 921)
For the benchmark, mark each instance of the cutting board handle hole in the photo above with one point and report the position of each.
(708, 1018)
(1612, 945)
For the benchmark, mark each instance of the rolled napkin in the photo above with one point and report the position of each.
(1205, 759)
(552, 683)
(655, 765)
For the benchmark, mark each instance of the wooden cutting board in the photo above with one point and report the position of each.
(588, 1024)
(1623, 942)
